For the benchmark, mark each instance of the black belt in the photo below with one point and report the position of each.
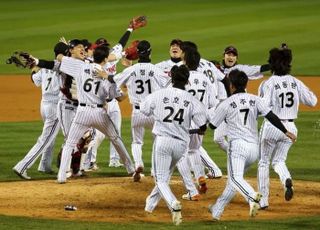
(289, 120)
(72, 103)
(93, 106)
(108, 100)
(137, 107)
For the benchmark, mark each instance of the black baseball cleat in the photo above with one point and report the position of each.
(289, 190)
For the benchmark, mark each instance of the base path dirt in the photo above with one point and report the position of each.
(20, 98)
(120, 200)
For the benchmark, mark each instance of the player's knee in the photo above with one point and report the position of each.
(263, 164)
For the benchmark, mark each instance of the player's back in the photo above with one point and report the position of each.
(173, 111)
(241, 112)
(167, 65)
(284, 94)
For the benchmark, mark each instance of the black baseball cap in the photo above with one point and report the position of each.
(74, 42)
(61, 48)
(231, 49)
(86, 44)
(144, 47)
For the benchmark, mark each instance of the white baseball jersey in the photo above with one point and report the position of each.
(90, 90)
(284, 94)
(173, 109)
(141, 79)
(252, 71)
(240, 111)
(167, 65)
(49, 82)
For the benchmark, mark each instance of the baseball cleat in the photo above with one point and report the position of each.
(115, 164)
(187, 196)
(176, 213)
(202, 185)
(137, 174)
(263, 208)
(210, 208)
(288, 190)
(254, 205)
(23, 175)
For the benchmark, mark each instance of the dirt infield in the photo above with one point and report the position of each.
(121, 200)
(22, 99)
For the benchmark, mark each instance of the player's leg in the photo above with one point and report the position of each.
(105, 125)
(137, 129)
(49, 132)
(185, 172)
(91, 154)
(268, 143)
(214, 170)
(115, 116)
(219, 136)
(223, 200)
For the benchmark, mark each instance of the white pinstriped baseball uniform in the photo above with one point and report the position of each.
(253, 73)
(141, 80)
(48, 81)
(283, 94)
(240, 111)
(92, 93)
(167, 65)
(173, 110)
(114, 113)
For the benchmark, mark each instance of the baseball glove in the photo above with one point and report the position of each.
(131, 52)
(137, 22)
(22, 59)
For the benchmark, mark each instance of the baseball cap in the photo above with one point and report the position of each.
(61, 48)
(176, 42)
(86, 44)
(231, 49)
(99, 42)
(74, 42)
(143, 47)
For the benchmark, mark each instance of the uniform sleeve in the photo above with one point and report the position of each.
(117, 51)
(71, 66)
(123, 77)
(222, 94)
(306, 96)
(212, 93)
(263, 108)
(161, 78)
(217, 116)
(37, 78)
(265, 92)
(147, 105)
(199, 115)
(252, 71)
(217, 73)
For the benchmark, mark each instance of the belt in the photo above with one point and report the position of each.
(289, 120)
(92, 106)
(137, 107)
(72, 103)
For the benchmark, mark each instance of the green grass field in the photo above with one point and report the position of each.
(252, 26)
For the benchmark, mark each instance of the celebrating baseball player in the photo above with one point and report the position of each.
(48, 80)
(173, 110)
(283, 93)
(240, 112)
(141, 80)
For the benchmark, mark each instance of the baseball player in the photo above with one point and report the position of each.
(283, 93)
(229, 63)
(173, 110)
(175, 57)
(240, 111)
(141, 80)
(48, 80)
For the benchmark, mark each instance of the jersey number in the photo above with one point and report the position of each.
(177, 117)
(88, 85)
(200, 91)
(49, 81)
(289, 99)
(140, 86)
(246, 112)
(209, 74)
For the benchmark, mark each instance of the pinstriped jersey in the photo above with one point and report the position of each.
(173, 110)
(48, 80)
(111, 67)
(240, 111)
(90, 89)
(284, 94)
(141, 79)
(167, 65)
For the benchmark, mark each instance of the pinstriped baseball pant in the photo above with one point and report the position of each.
(241, 155)
(98, 118)
(219, 136)
(274, 147)
(138, 123)
(45, 141)
(167, 151)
